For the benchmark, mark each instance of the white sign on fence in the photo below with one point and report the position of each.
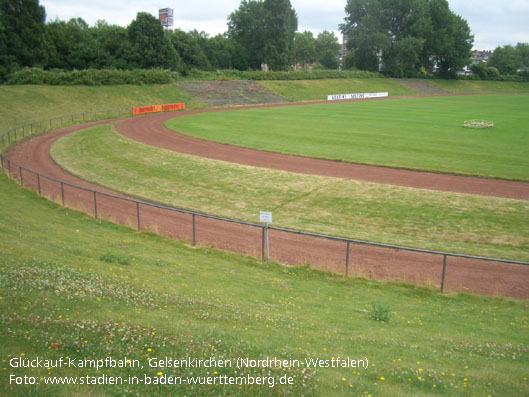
(368, 95)
(265, 217)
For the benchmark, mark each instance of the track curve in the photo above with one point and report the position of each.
(151, 130)
(463, 275)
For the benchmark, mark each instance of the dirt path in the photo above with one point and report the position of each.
(151, 131)
(463, 275)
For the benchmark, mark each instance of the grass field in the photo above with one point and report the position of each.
(94, 289)
(426, 133)
(405, 216)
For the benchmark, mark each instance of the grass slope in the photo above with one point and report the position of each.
(426, 133)
(405, 216)
(482, 87)
(26, 104)
(78, 288)
(310, 90)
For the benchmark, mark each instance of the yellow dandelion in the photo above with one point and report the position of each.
(159, 373)
(382, 378)
(215, 373)
(149, 350)
(344, 380)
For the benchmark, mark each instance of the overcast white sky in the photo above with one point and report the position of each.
(493, 22)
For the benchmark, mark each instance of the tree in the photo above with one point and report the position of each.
(150, 48)
(329, 60)
(72, 45)
(281, 23)
(450, 42)
(22, 32)
(327, 49)
(304, 48)
(114, 43)
(246, 28)
(223, 53)
(399, 37)
(506, 59)
(523, 50)
(188, 46)
(485, 72)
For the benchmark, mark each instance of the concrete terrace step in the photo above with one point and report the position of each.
(422, 87)
(230, 93)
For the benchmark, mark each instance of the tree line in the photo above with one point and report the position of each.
(399, 38)
(504, 61)
(258, 32)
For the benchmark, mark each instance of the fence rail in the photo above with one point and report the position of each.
(11, 169)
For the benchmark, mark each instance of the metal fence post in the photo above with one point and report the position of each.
(194, 232)
(347, 259)
(2, 162)
(267, 245)
(62, 193)
(38, 181)
(9, 168)
(95, 205)
(21, 177)
(263, 248)
(443, 276)
(138, 214)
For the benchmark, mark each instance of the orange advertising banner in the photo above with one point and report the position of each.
(158, 108)
(174, 106)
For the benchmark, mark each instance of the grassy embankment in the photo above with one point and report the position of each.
(318, 90)
(482, 87)
(75, 287)
(425, 134)
(21, 105)
(405, 216)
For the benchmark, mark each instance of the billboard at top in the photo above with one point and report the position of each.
(166, 17)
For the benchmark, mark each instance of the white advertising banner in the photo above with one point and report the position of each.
(341, 97)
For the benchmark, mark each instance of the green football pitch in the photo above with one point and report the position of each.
(414, 133)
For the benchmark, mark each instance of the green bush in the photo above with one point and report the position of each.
(318, 74)
(380, 312)
(91, 77)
